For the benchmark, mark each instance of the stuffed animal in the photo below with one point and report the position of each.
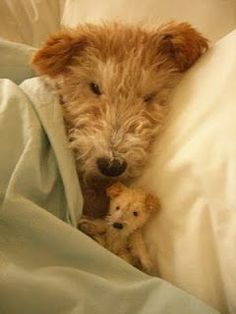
(121, 230)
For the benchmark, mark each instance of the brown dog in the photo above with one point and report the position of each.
(114, 81)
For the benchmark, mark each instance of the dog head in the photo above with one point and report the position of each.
(129, 208)
(114, 81)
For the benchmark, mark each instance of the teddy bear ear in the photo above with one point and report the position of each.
(152, 203)
(181, 44)
(57, 54)
(115, 190)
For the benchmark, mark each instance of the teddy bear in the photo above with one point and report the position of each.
(121, 231)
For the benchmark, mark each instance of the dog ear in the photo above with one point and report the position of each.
(152, 203)
(182, 44)
(115, 190)
(57, 54)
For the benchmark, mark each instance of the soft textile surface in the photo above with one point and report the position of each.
(14, 61)
(47, 265)
(31, 21)
(215, 18)
(193, 240)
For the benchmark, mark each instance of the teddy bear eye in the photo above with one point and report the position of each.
(135, 213)
(117, 207)
(149, 97)
(95, 88)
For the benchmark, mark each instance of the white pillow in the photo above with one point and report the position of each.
(29, 22)
(193, 239)
(214, 18)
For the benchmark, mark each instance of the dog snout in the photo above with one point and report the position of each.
(111, 167)
(118, 225)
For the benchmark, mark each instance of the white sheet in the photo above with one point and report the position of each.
(215, 18)
(193, 239)
(46, 265)
(29, 21)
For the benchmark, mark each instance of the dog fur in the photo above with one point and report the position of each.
(114, 81)
(121, 231)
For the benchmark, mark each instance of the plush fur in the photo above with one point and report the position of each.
(121, 231)
(114, 81)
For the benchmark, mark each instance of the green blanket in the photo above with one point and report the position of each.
(47, 266)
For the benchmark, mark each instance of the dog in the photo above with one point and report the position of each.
(121, 231)
(113, 81)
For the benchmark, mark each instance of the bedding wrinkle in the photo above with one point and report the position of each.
(46, 265)
(195, 178)
(192, 240)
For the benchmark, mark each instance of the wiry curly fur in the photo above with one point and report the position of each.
(135, 70)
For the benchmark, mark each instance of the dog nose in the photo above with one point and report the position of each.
(118, 225)
(111, 167)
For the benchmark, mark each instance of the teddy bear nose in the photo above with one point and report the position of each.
(118, 225)
(111, 167)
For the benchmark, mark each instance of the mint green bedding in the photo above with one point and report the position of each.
(14, 59)
(47, 266)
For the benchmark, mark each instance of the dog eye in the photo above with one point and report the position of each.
(135, 214)
(149, 97)
(95, 88)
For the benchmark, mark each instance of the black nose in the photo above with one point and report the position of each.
(118, 225)
(111, 167)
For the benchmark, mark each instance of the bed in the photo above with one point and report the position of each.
(46, 264)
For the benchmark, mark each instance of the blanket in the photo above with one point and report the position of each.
(46, 264)
(193, 239)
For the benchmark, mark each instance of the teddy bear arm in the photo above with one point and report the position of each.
(125, 255)
(139, 250)
(94, 228)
